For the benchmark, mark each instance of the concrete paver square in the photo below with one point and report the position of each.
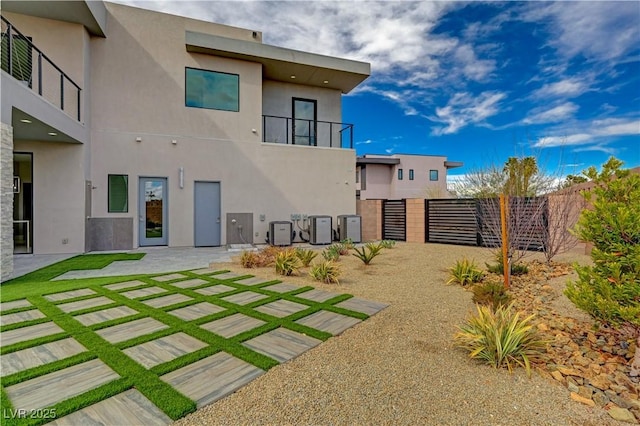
(39, 355)
(28, 333)
(252, 281)
(281, 344)
(281, 308)
(361, 305)
(21, 317)
(329, 321)
(85, 304)
(69, 294)
(127, 408)
(317, 295)
(169, 277)
(214, 289)
(129, 330)
(232, 325)
(204, 271)
(281, 288)
(164, 349)
(244, 298)
(55, 387)
(162, 301)
(226, 276)
(195, 282)
(199, 310)
(212, 378)
(127, 284)
(141, 292)
(21, 303)
(105, 315)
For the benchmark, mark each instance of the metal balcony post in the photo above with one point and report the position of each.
(10, 46)
(331, 134)
(40, 73)
(79, 104)
(287, 131)
(62, 91)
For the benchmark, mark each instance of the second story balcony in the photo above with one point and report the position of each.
(290, 131)
(29, 65)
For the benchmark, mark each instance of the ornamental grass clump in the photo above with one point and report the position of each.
(492, 294)
(465, 272)
(305, 256)
(249, 259)
(388, 244)
(327, 272)
(287, 263)
(367, 252)
(500, 338)
(331, 253)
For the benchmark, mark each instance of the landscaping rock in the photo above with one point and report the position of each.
(622, 415)
(582, 400)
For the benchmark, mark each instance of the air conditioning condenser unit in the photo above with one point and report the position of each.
(320, 230)
(350, 227)
(280, 233)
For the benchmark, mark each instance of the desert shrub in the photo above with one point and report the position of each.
(327, 272)
(268, 255)
(249, 259)
(498, 268)
(287, 263)
(464, 272)
(305, 256)
(492, 294)
(367, 253)
(340, 248)
(331, 253)
(388, 244)
(610, 289)
(347, 243)
(500, 338)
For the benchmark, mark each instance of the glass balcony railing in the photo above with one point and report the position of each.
(286, 130)
(29, 65)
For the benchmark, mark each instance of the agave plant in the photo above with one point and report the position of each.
(367, 253)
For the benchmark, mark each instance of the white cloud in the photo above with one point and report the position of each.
(591, 139)
(464, 109)
(551, 115)
(566, 88)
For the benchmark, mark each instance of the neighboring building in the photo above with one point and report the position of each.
(398, 176)
(123, 127)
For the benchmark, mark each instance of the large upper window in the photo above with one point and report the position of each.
(118, 193)
(212, 90)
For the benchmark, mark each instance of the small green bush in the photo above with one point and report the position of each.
(327, 272)
(305, 256)
(388, 244)
(331, 253)
(340, 248)
(347, 243)
(492, 294)
(287, 263)
(501, 338)
(367, 253)
(498, 268)
(465, 272)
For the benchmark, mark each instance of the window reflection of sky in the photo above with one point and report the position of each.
(153, 191)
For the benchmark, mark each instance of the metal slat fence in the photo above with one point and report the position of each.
(394, 220)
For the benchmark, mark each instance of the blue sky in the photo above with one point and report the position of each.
(474, 81)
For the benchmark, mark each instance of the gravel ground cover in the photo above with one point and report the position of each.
(399, 367)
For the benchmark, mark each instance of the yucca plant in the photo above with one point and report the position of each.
(492, 294)
(464, 272)
(327, 272)
(330, 253)
(501, 338)
(249, 259)
(387, 244)
(305, 256)
(367, 253)
(287, 262)
(374, 247)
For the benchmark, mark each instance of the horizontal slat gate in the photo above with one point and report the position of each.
(452, 221)
(394, 220)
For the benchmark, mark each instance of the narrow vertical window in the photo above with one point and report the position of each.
(118, 193)
(433, 175)
(410, 174)
(399, 174)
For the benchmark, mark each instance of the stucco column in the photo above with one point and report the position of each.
(6, 202)
(415, 220)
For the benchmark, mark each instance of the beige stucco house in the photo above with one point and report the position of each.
(400, 176)
(123, 127)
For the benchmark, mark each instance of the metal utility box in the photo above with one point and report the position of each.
(280, 233)
(350, 227)
(320, 230)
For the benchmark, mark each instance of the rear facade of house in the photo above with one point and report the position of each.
(123, 128)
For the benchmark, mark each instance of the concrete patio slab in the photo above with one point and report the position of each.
(281, 308)
(163, 278)
(29, 333)
(212, 378)
(214, 289)
(282, 344)
(68, 382)
(56, 297)
(31, 315)
(329, 321)
(36, 356)
(164, 349)
(193, 312)
(129, 330)
(195, 282)
(317, 295)
(204, 271)
(22, 303)
(244, 298)
(105, 315)
(281, 288)
(85, 304)
(141, 292)
(162, 301)
(361, 305)
(126, 284)
(252, 281)
(226, 276)
(127, 408)
(232, 325)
